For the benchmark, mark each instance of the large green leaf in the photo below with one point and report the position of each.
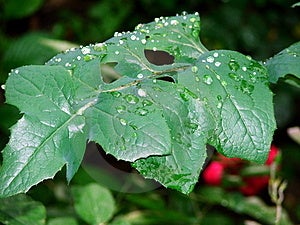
(137, 114)
(284, 63)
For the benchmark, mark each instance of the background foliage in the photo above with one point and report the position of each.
(33, 31)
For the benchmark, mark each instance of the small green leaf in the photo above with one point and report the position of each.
(21, 210)
(284, 63)
(93, 203)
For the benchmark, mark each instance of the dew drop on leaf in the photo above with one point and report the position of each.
(233, 65)
(234, 76)
(123, 121)
(210, 59)
(116, 94)
(141, 93)
(131, 99)
(194, 69)
(146, 102)
(100, 47)
(142, 111)
(207, 79)
(246, 88)
(121, 109)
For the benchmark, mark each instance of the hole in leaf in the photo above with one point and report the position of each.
(108, 73)
(167, 78)
(158, 57)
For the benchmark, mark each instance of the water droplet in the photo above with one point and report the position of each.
(197, 78)
(252, 78)
(116, 94)
(87, 58)
(146, 102)
(216, 54)
(210, 59)
(141, 93)
(133, 37)
(100, 47)
(174, 22)
(57, 59)
(154, 49)
(121, 109)
(68, 64)
(244, 68)
(3, 86)
(257, 67)
(233, 65)
(184, 96)
(195, 33)
(217, 64)
(85, 50)
(140, 76)
(131, 99)
(78, 58)
(143, 41)
(117, 52)
(194, 69)
(123, 121)
(207, 79)
(133, 127)
(234, 76)
(192, 126)
(142, 111)
(219, 105)
(246, 88)
(177, 137)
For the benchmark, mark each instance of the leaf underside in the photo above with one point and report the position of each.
(162, 127)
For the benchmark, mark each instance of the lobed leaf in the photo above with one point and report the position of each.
(158, 116)
(231, 85)
(189, 126)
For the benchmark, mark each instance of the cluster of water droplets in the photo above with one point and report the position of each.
(137, 104)
(173, 28)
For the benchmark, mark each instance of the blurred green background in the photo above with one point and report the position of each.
(33, 31)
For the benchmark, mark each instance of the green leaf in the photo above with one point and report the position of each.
(284, 63)
(189, 124)
(21, 210)
(231, 85)
(93, 203)
(161, 126)
(49, 135)
(62, 221)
